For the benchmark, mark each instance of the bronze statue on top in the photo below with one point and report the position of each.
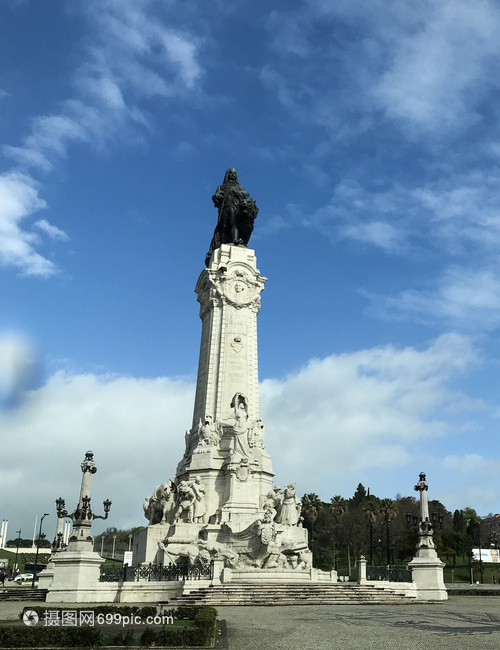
(237, 212)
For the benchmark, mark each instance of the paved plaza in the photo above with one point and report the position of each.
(460, 623)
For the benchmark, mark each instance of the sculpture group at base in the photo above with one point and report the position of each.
(274, 539)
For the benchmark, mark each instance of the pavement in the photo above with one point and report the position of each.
(461, 623)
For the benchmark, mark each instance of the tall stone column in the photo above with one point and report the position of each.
(225, 446)
(229, 296)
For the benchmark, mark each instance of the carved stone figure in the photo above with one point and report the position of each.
(147, 508)
(157, 507)
(237, 212)
(202, 552)
(199, 506)
(290, 507)
(270, 546)
(272, 501)
(257, 434)
(208, 432)
(185, 499)
(241, 427)
(218, 550)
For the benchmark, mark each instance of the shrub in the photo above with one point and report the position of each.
(57, 637)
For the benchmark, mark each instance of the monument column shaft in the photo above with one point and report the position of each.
(85, 489)
(229, 296)
(424, 506)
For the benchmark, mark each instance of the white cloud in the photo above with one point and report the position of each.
(52, 231)
(130, 56)
(384, 219)
(374, 410)
(426, 67)
(449, 215)
(438, 72)
(453, 222)
(478, 488)
(472, 463)
(463, 298)
(135, 427)
(372, 413)
(27, 158)
(378, 233)
(18, 199)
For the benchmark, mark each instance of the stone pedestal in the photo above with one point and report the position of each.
(427, 573)
(362, 570)
(145, 545)
(71, 576)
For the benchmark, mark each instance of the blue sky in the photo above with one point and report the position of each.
(367, 132)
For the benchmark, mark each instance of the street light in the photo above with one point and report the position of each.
(46, 514)
(480, 558)
(17, 547)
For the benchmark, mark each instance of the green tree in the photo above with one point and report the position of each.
(360, 494)
(388, 509)
(371, 511)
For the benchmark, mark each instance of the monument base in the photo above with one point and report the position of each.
(427, 573)
(71, 576)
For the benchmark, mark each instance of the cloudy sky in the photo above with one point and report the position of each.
(367, 131)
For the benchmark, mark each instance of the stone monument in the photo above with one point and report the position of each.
(427, 568)
(73, 570)
(221, 504)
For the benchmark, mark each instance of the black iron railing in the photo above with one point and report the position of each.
(158, 572)
(389, 573)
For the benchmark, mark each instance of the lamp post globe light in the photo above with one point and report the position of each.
(46, 514)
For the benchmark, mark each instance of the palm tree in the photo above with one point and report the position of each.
(371, 510)
(389, 509)
(338, 507)
(311, 506)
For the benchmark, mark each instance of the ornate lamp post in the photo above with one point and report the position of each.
(427, 568)
(425, 526)
(17, 547)
(46, 514)
(480, 557)
(83, 516)
(58, 543)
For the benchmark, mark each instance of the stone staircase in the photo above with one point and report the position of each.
(293, 594)
(23, 593)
